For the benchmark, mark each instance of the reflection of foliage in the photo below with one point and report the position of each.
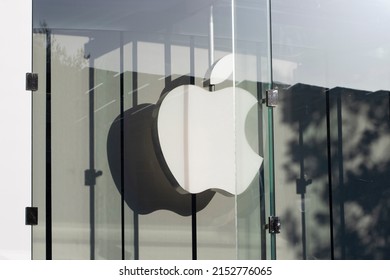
(60, 52)
(363, 188)
(75, 60)
(43, 29)
(304, 170)
(359, 140)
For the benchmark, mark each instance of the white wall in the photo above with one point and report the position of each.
(15, 123)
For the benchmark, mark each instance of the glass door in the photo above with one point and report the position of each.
(150, 136)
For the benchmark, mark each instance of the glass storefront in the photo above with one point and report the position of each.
(153, 136)
(332, 134)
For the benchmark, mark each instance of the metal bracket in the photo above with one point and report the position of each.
(32, 81)
(90, 176)
(31, 216)
(302, 183)
(271, 97)
(273, 225)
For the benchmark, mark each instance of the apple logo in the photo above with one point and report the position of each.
(191, 142)
(199, 136)
(136, 169)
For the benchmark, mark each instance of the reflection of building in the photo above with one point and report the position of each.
(99, 64)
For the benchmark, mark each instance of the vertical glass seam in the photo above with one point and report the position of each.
(121, 109)
(271, 132)
(91, 140)
(48, 199)
(135, 103)
(194, 224)
(234, 120)
(330, 178)
(32, 132)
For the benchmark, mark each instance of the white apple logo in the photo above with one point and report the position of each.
(200, 136)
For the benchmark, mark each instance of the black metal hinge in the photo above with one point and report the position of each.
(31, 216)
(273, 225)
(32, 81)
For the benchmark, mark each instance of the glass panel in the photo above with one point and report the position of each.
(68, 133)
(332, 128)
(39, 146)
(104, 185)
(216, 226)
(252, 75)
(360, 168)
(108, 186)
(161, 228)
(105, 89)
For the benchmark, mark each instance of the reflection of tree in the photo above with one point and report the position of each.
(306, 217)
(59, 51)
(361, 185)
(359, 141)
(75, 60)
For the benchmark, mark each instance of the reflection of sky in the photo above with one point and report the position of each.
(320, 42)
(332, 43)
